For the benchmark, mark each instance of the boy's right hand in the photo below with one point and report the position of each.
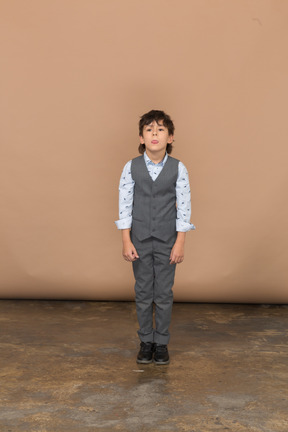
(129, 252)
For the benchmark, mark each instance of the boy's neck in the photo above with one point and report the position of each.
(156, 157)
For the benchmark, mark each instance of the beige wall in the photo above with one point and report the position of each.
(76, 76)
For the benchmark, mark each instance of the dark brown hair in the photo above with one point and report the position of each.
(156, 115)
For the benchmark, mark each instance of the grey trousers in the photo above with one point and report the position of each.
(154, 276)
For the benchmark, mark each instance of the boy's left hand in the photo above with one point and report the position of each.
(177, 253)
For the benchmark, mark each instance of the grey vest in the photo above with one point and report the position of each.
(154, 204)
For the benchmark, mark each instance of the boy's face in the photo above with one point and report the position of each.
(155, 136)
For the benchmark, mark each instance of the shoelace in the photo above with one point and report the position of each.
(161, 348)
(146, 347)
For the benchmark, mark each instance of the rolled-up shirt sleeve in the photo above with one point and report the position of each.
(126, 193)
(183, 198)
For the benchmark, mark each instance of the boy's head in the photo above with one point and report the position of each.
(159, 117)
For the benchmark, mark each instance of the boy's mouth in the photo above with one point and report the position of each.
(154, 142)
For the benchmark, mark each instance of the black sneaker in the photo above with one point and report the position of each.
(145, 354)
(161, 355)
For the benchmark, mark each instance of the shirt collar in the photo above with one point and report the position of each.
(149, 162)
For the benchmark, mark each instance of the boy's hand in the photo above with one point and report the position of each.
(177, 252)
(129, 252)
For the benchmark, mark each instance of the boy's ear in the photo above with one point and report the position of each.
(141, 139)
(170, 139)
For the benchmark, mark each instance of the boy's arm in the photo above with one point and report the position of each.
(183, 200)
(177, 252)
(183, 214)
(128, 251)
(126, 193)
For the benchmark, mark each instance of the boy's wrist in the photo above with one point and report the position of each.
(126, 236)
(126, 242)
(181, 237)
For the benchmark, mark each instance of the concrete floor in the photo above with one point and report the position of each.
(70, 366)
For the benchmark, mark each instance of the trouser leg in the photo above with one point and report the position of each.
(163, 283)
(144, 276)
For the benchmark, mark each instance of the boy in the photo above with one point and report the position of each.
(153, 229)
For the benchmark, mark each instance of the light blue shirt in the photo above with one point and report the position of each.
(126, 193)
